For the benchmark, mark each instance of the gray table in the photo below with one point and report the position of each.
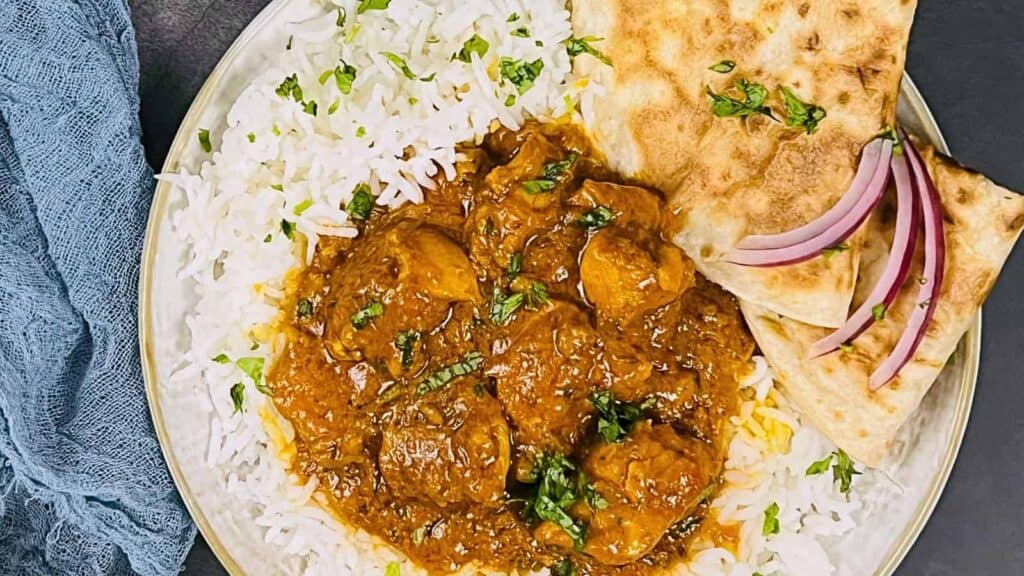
(967, 57)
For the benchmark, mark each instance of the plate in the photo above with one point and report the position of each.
(919, 465)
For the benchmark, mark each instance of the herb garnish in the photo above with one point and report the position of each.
(846, 347)
(334, 106)
(277, 187)
(512, 17)
(470, 363)
(475, 45)
(204, 140)
(515, 266)
(222, 359)
(268, 238)
(843, 470)
(362, 318)
(555, 170)
(302, 207)
(405, 342)
(344, 76)
(590, 493)
(597, 218)
(617, 418)
(534, 187)
(288, 228)
(576, 46)
(510, 101)
(365, 5)
(253, 368)
(536, 295)
(878, 311)
(724, 106)
(361, 205)
(771, 520)
(289, 87)
(393, 568)
(521, 74)
(800, 113)
(403, 67)
(342, 17)
(361, 132)
(723, 67)
(563, 568)
(238, 396)
(309, 107)
(556, 494)
(830, 252)
(304, 308)
(503, 306)
(521, 32)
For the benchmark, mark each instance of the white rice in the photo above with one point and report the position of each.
(271, 158)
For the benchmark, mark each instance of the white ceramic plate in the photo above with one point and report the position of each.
(920, 462)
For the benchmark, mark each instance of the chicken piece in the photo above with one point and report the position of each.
(633, 206)
(544, 380)
(448, 447)
(402, 280)
(652, 480)
(432, 264)
(623, 280)
(526, 179)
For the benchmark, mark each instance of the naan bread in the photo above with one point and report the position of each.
(730, 177)
(983, 222)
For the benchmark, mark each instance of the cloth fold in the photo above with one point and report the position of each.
(83, 486)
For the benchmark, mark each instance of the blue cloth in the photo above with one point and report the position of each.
(83, 487)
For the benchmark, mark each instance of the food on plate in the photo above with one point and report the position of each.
(751, 116)
(518, 371)
(446, 323)
(982, 224)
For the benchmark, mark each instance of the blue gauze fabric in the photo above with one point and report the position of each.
(83, 487)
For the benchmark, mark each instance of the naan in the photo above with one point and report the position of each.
(983, 221)
(731, 177)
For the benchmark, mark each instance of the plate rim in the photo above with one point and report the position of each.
(970, 344)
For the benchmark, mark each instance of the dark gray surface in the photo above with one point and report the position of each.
(967, 56)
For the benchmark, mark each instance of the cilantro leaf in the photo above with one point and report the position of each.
(204, 140)
(878, 312)
(576, 46)
(801, 114)
(238, 396)
(361, 205)
(470, 363)
(406, 342)
(365, 5)
(362, 318)
(519, 73)
(288, 228)
(515, 266)
(534, 187)
(555, 494)
(475, 45)
(304, 308)
(820, 466)
(843, 471)
(771, 520)
(597, 218)
(723, 67)
(503, 306)
(403, 67)
(724, 106)
(616, 418)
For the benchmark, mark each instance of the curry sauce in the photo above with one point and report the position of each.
(519, 372)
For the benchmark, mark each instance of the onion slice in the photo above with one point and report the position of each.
(870, 159)
(897, 267)
(934, 270)
(835, 234)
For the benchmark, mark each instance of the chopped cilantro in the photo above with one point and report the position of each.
(830, 252)
(302, 207)
(820, 467)
(309, 107)
(366, 5)
(288, 228)
(801, 114)
(576, 46)
(361, 205)
(334, 106)
(403, 67)
(344, 76)
(204, 140)
(289, 87)
(521, 32)
(238, 396)
(512, 17)
(361, 132)
(555, 495)
(521, 74)
(843, 471)
(251, 136)
(342, 17)
(222, 359)
(393, 568)
(405, 342)
(475, 45)
(510, 101)
(304, 308)
(723, 67)
(470, 363)
(536, 295)
(277, 187)
(515, 266)
(724, 106)
(771, 520)
(556, 169)
(597, 218)
(503, 306)
(362, 318)
(617, 418)
(878, 311)
(534, 187)
(268, 238)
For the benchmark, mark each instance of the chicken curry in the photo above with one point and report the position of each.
(519, 372)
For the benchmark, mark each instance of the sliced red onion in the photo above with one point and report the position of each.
(835, 234)
(934, 270)
(897, 268)
(869, 162)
